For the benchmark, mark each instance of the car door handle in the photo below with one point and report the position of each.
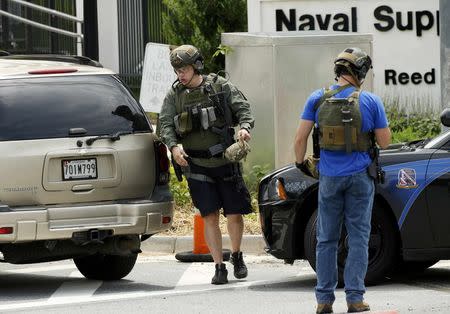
(82, 188)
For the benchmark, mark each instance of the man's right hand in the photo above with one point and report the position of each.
(303, 167)
(179, 156)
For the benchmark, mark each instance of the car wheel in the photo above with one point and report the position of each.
(383, 246)
(105, 267)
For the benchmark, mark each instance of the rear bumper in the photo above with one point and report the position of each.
(54, 223)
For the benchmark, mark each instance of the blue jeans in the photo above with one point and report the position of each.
(345, 199)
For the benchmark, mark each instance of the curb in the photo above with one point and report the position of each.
(254, 244)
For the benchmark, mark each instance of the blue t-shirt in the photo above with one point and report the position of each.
(337, 163)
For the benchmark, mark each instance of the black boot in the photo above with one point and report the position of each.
(220, 277)
(240, 270)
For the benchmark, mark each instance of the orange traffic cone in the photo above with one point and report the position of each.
(200, 246)
(200, 252)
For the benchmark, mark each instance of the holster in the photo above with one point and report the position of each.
(177, 169)
(372, 170)
(376, 172)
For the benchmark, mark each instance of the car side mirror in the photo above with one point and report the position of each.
(445, 117)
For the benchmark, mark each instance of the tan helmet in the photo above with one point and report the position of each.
(237, 151)
(186, 55)
(355, 61)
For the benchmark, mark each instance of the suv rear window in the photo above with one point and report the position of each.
(47, 107)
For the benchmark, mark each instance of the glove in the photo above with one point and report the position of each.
(302, 167)
(309, 167)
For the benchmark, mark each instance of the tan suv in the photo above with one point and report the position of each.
(83, 175)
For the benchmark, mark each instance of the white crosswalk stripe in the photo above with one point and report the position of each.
(196, 278)
(76, 289)
(195, 274)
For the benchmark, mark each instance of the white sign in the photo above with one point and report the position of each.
(157, 77)
(406, 46)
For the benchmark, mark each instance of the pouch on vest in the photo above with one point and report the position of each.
(340, 124)
(183, 124)
(195, 112)
(211, 115)
(338, 131)
(204, 119)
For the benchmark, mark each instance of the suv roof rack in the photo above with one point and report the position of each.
(53, 57)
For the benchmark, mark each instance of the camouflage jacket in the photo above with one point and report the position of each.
(240, 109)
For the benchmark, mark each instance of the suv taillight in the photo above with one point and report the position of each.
(162, 163)
(6, 230)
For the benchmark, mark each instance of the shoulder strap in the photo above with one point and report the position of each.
(330, 93)
(215, 81)
(354, 95)
(178, 105)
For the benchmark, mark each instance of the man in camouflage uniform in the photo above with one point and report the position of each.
(200, 113)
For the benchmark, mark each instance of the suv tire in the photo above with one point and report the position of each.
(105, 266)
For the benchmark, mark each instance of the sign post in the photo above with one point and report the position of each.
(444, 8)
(157, 77)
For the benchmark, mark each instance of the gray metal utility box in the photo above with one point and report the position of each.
(277, 72)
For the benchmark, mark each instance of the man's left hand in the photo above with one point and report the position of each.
(244, 134)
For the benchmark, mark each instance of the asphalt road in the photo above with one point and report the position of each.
(160, 284)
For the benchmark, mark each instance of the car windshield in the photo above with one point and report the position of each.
(48, 107)
(436, 140)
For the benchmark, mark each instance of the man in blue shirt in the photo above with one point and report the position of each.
(346, 191)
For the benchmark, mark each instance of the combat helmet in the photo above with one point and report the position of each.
(355, 61)
(187, 55)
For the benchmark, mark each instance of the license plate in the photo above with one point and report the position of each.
(79, 169)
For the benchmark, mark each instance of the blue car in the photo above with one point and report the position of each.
(410, 217)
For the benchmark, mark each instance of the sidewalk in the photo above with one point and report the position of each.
(253, 244)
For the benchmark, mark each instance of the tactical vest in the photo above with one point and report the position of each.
(197, 115)
(340, 123)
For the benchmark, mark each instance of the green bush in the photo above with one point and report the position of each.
(180, 191)
(405, 135)
(252, 181)
(408, 127)
(426, 126)
(200, 23)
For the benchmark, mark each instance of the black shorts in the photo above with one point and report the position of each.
(228, 192)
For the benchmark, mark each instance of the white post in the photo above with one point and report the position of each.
(108, 34)
(254, 20)
(80, 14)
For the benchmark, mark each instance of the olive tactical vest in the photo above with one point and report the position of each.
(196, 115)
(340, 123)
